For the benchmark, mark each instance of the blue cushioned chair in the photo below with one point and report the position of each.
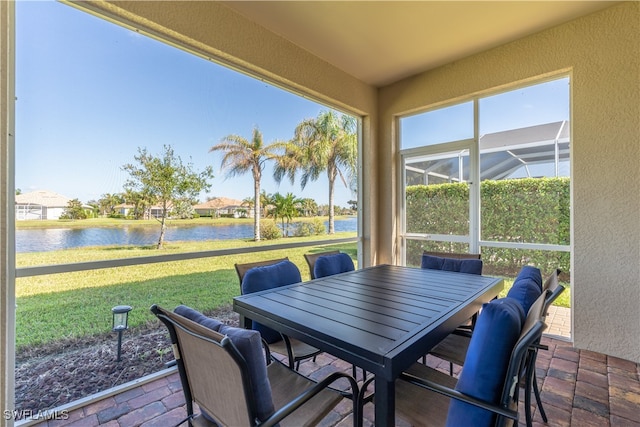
(469, 266)
(527, 287)
(486, 393)
(313, 257)
(234, 381)
(328, 265)
(269, 276)
(496, 332)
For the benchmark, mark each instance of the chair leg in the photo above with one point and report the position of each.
(536, 391)
(450, 369)
(527, 403)
(529, 378)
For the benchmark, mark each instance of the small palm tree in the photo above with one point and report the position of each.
(248, 202)
(285, 208)
(309, 207)
(241, 156)
(326, 143)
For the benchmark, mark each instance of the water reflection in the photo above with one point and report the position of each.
(40, 240)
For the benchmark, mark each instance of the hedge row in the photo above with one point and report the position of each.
(529, 210)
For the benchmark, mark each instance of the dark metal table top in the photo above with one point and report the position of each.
(380, 318)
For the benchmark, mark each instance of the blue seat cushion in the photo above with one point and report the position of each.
(249, 344)
(469, 266)
(483, 376)
(527, 287)
(268, 277)
(328, 265)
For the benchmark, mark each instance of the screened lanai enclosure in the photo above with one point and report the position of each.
(528, 152)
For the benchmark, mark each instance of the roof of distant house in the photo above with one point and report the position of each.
(218, 203)
(46, 198)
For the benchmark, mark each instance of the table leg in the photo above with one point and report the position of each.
(385, 403)
(245, 322)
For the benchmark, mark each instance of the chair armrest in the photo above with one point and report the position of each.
(309, 393)
(539, 346)
(454, 394)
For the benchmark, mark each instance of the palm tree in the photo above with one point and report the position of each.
(309, 207)
(285, 208)
(248, 202)
(109, 201)
(326, 143)
(241, 156)
(267, 203)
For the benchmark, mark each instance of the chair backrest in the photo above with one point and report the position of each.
(328, 265)
(495, 359)
(462, 263)
(311, 260)
(552, 289)
(213, 372)
(242, 269)
(265, 277)
(454, 255)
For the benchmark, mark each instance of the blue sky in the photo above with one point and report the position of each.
(528, 106)
(90, 92)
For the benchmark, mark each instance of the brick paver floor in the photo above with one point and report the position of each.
(578, 388)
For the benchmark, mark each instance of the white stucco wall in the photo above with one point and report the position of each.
(602, 52)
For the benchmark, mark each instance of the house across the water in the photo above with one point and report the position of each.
(40, 204)
(223, 206)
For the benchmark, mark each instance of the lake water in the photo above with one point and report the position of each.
(40, 240)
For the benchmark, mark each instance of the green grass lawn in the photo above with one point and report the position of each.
(73, 305)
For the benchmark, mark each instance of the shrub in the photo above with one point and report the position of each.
(269, 230)
(314, 227)
(529, 210)
(318, 226)
(302, 229)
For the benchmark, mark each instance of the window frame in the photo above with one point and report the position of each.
(475, 242)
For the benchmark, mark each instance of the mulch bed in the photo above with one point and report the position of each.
(62, 372)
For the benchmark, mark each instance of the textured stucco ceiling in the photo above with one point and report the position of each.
(380, 42)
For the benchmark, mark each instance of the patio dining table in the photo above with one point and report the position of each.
(381, 318)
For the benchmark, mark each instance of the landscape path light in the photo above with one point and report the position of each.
(120, 323)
